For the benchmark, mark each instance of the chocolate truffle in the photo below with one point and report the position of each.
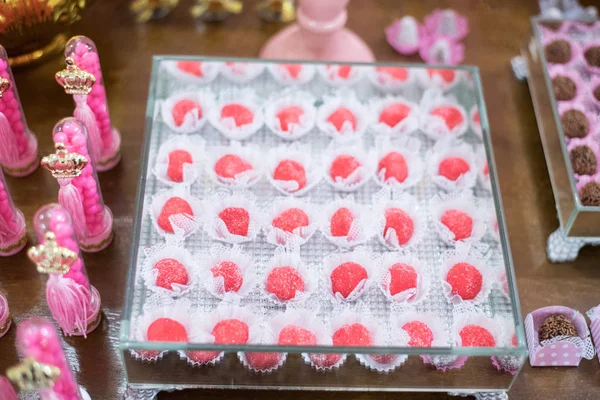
(564, 88)
(583, 160)
(590, 194)
(552, 25)
(596, 92)
(556, 325)
(575, 124)
(592, 56)
(558, 52)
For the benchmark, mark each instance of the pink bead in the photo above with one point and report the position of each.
(81, 49)
(60, 137)
(63, 231)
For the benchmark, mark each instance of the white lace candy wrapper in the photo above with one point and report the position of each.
(361, 229)
(191, 171)
(435, 126)
(445, 149)
(285, 258)
(163, 251)
(357, 178)
(301, 154)
(210, 70)
(306, 121)
(227, 126)
(284, 77)
(409, 149)
(410, 296)
(359, 256)
(387, 83)
(330, 73)
(248, 153)
(476, 122)
(461, 201)
(441, 336)
(406, 126)
(345, 99)
(483, 172)
(241, 72)
(299, 235)
(183, 225)
(493, 326)
(191, 122)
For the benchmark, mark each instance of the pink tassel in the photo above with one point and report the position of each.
(69, 198)
(69, 303)
(9, 153)
(84, 113)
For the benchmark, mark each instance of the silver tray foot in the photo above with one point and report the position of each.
(563, 249)
(482, 395)
(139, 394)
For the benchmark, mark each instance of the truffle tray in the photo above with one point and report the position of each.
(311, 226)
(564, 82)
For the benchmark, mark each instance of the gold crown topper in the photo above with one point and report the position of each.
(50, 258)
(75, 80)
(63, 164)
(4, 85)
(33, 375)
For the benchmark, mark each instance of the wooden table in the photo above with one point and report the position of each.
(498, 29)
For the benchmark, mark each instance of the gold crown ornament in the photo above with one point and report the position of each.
(4, 85)
(33, 375)
(63, 164)
(50, 258)
(276, 10)
(215, 10)
(145, 10)
(74, 79)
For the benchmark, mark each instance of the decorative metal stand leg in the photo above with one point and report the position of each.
(139, 394)
(561, 248)
(482, 395)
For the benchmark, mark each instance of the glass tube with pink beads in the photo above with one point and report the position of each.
(12, 223)
(82, 51)
(18, 146)
(38, 341)
(73, 302)
(92, 219)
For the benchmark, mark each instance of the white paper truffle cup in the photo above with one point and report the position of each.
(191, 171)
(406, 126)
(285, 258)
(160, 252)
(299, 235)
(216, 285)
(347, 133)
(306, 121)
(183, 224)
(410, 296)
(381, 79)
(435, 126)
(241, 72)
(249, 153)
(357, 178)
(446, 149)
(217, 229)
(387, 199)
(281, 74)
(330, 74)
(361, 229)
(199, 358)
(191, 122)
(210, 70)
(301, 154)
(360, 256)
(227, 126)
(461, 201)
(409, 148)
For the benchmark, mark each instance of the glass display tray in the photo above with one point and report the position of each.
(171, 371)
(576, 220)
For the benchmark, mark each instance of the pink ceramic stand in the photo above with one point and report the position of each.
(318, 35)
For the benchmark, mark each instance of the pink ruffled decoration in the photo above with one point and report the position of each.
(403, 35)
(441, 50)
(447, 23)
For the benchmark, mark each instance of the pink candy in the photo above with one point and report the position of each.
(8, 218)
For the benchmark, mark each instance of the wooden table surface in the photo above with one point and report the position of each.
(498, 29)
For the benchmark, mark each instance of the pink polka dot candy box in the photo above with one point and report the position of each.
(557, 336)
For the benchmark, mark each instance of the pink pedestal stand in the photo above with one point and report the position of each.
(318, 35)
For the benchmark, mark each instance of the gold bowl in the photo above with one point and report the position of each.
(31, 30)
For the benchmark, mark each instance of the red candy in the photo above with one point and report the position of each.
(166, 330)
(476, 117)
(263, 361)
(230, 165)
(476, 336)
(486, 170)
(420, 334)
(231, 274)
(447, 75)
(402, 277)
(341, 115)
(341, 221)
(346, 277)
(325, 360)
(289, 116)
(242, 115)
(176, 160)
(396, 73)
(293, 69)
(290, 170)
(343, 71)
(466, 280)
(170, 271)
(451, 116)
(290, 219)
(514, 340)
(401, 222)
(459, 223)
(395, 166)
(383, 359)
(296, 336)
(202, 357)
(453, 168)
(236, 220)
(393, 114)
(284, 282)
(182, 108)
(231, 331)
(191, 67)
(352, 335)
(173, 206)
(342, 166)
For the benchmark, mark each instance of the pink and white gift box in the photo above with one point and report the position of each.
(562, 350)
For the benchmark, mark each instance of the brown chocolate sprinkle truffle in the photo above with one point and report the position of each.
(558, 52)
(597, 92)
(552, 25)
(583, 160)
(575, 124)
(590, 194)
(556, 325)
(564, 88)
(592, 56)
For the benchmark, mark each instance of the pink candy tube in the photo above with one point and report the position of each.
(37, 338)
(74, 303)
(91, 218)
(83, 51)
(12, 223)
(5, 320)
(18, 146)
